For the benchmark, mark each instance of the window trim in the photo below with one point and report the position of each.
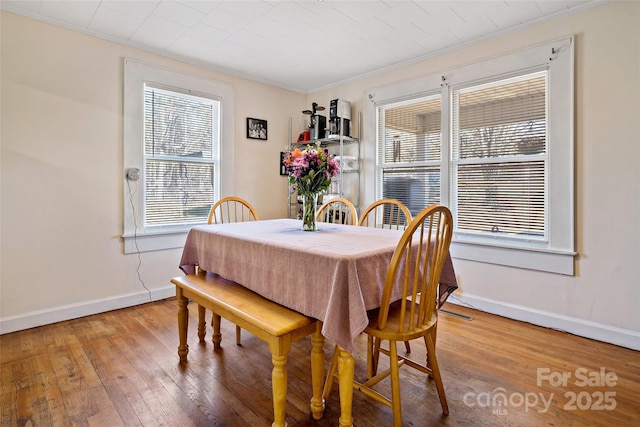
(135, 237)
(558, 254)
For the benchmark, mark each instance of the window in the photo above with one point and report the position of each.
(410, 151)
(175, 132)
(181, 157)
(494, 143)
(499, 157)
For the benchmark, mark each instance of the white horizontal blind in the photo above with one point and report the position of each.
(499, 134)
(181, 134)
(409, 144)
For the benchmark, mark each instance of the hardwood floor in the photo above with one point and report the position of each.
(121, 369)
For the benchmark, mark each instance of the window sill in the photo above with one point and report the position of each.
(559, 262)
(149, 242)
(551, 261)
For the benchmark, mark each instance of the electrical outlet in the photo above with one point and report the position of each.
(133, 174)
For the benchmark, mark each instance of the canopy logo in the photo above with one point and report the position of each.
(499, 401)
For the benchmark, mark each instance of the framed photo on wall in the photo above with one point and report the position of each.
(256, 128)
(283, 171)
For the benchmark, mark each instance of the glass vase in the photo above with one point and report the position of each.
(309, 206)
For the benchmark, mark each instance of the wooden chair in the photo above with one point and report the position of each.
(337, 211)
(386, 213)
(231, 209)
(226, 210)
(423, 247)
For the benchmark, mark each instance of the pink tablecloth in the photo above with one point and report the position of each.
(335, 274)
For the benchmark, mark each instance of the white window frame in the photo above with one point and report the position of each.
(136, 237)
(557, 254)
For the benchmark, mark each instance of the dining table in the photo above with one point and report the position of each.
(335, 274)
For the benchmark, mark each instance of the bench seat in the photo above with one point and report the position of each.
(279, 326)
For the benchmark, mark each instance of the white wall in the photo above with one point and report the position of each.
(62, 172)
(603, 300)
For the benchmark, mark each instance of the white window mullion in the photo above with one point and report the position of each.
(446, 185)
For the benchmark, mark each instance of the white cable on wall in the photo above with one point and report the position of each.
(135, 230)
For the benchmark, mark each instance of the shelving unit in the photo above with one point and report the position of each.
(347, 183)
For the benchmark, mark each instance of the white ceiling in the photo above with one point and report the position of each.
(302, 45)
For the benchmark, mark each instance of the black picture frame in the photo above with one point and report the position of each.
(256, 129)
(283, 170)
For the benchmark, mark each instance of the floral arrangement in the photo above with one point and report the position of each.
(310, 169)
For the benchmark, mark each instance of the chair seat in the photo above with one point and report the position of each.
(390, 332)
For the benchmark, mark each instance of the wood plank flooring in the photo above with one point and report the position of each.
(121, 369)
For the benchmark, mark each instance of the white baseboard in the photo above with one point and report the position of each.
(87, 308)
(584, 328)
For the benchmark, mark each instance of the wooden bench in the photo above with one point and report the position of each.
(279, 326)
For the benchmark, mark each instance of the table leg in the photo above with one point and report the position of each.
(183, 325)
(202, 326)
(345, 381)
(317, 372)
(279, 348)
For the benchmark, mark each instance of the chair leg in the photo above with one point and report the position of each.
(407, 346)
(395, 384)
(375, 357)
(328, 382)
(432, 333)
(433, 362)
(369, 356)
(238, 335)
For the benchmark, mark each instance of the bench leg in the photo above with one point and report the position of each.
(183, 325)
(217, 335)
(317, 372)
(279, 347)
(202, 323)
